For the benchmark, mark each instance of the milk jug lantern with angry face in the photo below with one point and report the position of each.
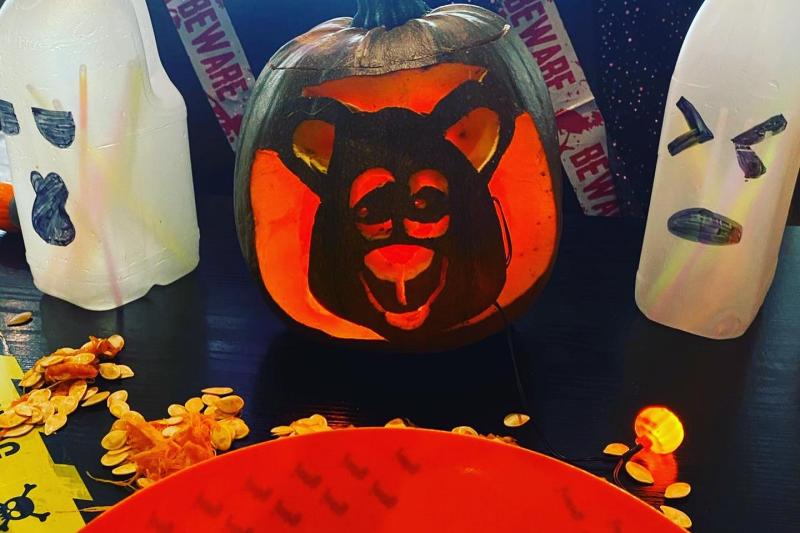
(728, 163)
(97, 139)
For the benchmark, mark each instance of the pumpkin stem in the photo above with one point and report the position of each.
(387, 13)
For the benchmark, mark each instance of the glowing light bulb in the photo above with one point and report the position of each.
(658, 429)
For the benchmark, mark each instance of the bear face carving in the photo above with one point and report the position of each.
(406, 240)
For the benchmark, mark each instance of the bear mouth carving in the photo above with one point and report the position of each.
(401, 282)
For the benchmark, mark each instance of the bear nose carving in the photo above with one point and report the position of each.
(399, 263)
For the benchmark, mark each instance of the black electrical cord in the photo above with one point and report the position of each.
(551, 450)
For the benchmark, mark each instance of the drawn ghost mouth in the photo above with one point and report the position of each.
(402, 282)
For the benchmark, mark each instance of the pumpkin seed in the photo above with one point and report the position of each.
(11, 419)
(125, 470)
(211, 411)
(218, 391)
(115, 459)
(20, 319)
(194, 405)
(617, 449)
(82, 358)
(282, 431)
(39, 396)
(172, 421)
(114, 440)
(234, 404)
(110, 371)
(170, 431)
(176, 410)
(31, 381)
(78, 389)
(54, 422)
(24, 409)
(677, 516)
(678, 490)
(465, 430)
(96, 399)
(91, 391)
(144, 482)
(18, 431)
(50, 360)
(515, 420)
(119, 396)
(238, 426)
(116, 342)
(396, 423)
(119, 409)
(125, 372)
(221, 438)
(36, 416)
(209, 399)
(119, 451)
(639, 473)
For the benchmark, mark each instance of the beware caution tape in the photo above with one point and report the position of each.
(218, 59)
(581, 128)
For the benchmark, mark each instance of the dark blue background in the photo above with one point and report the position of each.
(628, 49)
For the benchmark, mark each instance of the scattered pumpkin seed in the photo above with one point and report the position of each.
(677, 516)
(617, 449)
(515, 420)
(110, 371)
(194, 405)
(118, 396)
(210, 399)
(125, 470)
(54, 422)
(678, 490)
(110, 459)
(118, 409)
(125, 372)
(20, 319)
(176, 410)
(218, 391)
(221, 438)
(396, 423)
(96, 398)
(234, 404)
(639, 473)
(282, 431)
(465, 430)
(18, 431)
(114, 440)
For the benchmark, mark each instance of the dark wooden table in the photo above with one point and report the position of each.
(588, 359)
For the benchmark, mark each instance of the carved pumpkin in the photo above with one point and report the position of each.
(398, 177)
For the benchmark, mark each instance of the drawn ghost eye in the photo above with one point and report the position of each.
(698, 134)
(58, 127)
(749, 162)
(8, 119)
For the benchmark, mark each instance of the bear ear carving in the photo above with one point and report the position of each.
(313, 142)
(476, 135)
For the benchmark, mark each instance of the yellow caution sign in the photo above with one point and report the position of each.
(35, 494)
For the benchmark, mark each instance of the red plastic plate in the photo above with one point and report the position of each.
(382, 481)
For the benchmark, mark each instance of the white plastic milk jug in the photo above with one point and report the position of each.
(99, 150)
(728, 161)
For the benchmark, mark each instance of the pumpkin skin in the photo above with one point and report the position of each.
(398, 187)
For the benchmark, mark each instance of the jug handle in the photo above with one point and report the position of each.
(156, 75)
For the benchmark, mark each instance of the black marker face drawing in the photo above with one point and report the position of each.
(49, 214)
(702, 225)
(407, 239)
